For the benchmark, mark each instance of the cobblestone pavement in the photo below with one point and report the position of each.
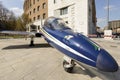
(18, 61)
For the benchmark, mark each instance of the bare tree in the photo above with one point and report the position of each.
(7, 18)
(25, 19)
(3, 12)
(19, 25)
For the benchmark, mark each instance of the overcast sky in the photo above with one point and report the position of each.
(101, 9)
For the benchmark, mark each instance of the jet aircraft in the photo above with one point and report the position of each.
(75, 46)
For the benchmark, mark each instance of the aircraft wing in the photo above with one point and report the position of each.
(24, 33)
(15, 32)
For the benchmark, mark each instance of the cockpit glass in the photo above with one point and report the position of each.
(59, 24)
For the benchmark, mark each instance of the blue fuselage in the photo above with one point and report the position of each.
(75, 45)
(80, 48)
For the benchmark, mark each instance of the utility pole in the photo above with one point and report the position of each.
(107, 14)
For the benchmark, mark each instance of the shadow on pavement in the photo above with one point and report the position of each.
(78, 70)
(92, 72)
(26, 46)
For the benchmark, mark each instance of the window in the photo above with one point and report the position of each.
(54, 1)
(38, 27)
(33, 1)
(38, 8)
(34, 18)
(118, 24)
(44, 5)
(34, 10)
(30, 12)
(30, 20)
(44, 16)
(64, 11)
(38, 17)
(30, 3)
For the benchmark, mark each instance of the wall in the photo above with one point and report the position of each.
(79, 16)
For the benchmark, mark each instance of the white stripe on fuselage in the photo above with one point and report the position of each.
(53, 39)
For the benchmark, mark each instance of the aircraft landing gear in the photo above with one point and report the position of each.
(32, 42)
(68, 64)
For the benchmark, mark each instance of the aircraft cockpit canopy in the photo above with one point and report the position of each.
(55, 24)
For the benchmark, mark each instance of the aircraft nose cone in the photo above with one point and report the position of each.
(106, 62)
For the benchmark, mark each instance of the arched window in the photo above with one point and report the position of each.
(34, 10)
(44, 16)
(38, 8)
(30, 13)
(34, 18)
(44, 5)
(38, 17)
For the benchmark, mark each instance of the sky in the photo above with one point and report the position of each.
(14, 5)
(101, 9)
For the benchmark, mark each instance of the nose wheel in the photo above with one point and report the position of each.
(68, 64)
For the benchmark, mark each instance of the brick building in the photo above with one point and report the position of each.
(36, 9)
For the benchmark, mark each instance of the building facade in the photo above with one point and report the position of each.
(80, 15)
(36, 9)
(114, 26)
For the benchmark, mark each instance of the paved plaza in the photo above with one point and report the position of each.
(18, 61)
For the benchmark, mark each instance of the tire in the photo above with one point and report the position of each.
(70, 69)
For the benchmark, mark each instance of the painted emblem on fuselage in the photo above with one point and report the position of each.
(68, 37)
